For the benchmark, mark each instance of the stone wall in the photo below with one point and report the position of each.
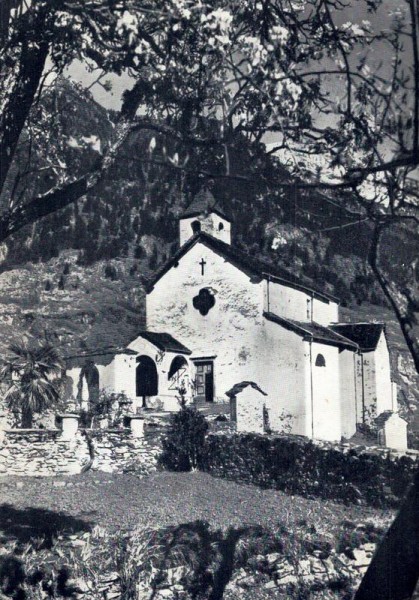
(41, 452)
(69, 451)
(119, 451)
(296, 465)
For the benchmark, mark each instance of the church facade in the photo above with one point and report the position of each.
(217, 317)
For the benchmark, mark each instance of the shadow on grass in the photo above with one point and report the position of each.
(24, 525)
(39, 527)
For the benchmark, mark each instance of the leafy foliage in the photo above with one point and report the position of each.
(109, 405)
(184, 443)
(33, 372)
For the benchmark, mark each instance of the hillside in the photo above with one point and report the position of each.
(77, 276)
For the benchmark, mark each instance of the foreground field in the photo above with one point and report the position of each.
(178, 535)
(121, 502)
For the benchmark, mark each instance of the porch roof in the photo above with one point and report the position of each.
(165, 342)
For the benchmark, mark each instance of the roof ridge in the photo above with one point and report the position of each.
(257, 266)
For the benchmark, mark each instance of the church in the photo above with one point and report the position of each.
(217, 317)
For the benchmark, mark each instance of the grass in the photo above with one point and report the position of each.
(121, 502)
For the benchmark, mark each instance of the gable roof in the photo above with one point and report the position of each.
(366, 335)
(253, 266)
(204, 203)
(239, 387)
(100, 357)
(383, 417)
(104, 356)
(165, 342)
(313, 332)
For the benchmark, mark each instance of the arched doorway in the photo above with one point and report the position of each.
(88, 386)
(146, 378)
(177, 367)
(179, 379)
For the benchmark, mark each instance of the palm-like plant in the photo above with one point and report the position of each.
(34, 374)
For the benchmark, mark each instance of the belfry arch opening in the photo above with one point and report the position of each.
(196, 227)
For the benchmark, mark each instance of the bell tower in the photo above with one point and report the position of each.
(204, 214)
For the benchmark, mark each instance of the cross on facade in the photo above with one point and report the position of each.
(202, 263)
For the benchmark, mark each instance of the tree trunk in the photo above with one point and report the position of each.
(22, 93)
(27, 417)
(402, 303)
(394, 570)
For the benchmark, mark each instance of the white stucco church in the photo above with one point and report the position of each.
(216, 317)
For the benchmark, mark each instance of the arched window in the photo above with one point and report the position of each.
(196, 226)
(146, 377)
(320, 361)
(179, 362)
(220, 226)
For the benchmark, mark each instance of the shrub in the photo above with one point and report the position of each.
(185, 441)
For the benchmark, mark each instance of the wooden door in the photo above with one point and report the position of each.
(205, 381)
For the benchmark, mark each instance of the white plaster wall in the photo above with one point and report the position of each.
(123, 374)
(395, 432)
(286, 302)
(246, 345)
(250, 405)
(326, 394)
(369, 387)
(358, 388)
(297, 305)
(229, 331)
(373, 372)
(74, 374)
(209, 224)
(107, 376)
(284, 355)
(383, 376)
(325, 312)
(347, 363)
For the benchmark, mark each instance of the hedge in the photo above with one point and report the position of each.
(300, 466)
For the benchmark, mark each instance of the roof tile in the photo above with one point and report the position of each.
(366, 335)
(165, 342)
(204, 203)
(314, 331)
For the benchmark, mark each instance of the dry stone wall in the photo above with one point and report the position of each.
(119, 451)
(41, 452)
(51, 452)
(297, 465)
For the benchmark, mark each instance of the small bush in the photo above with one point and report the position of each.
(184, 444)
